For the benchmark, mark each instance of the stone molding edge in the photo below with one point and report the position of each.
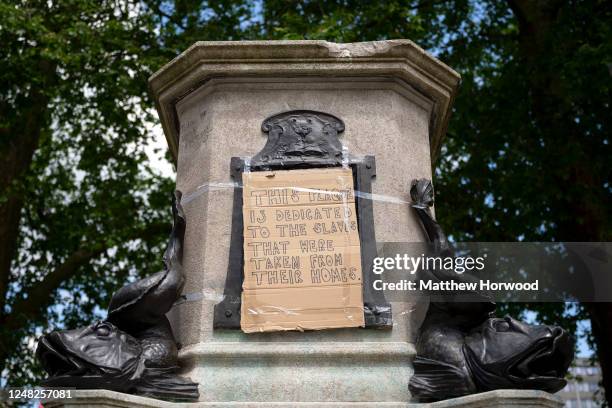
(311, 83)
(491, 399)
(308, 49)
(505, 399)
(400, 58)
(261, 350)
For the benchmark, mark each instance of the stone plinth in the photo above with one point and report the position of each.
(492, 399)
(395, 101)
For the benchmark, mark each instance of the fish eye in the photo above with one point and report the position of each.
(103, 330)
(501, 326)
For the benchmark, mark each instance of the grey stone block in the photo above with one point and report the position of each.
(395, 100)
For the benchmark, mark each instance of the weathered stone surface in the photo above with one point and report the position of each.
(401, 59)
(394, 100)
(493, 399)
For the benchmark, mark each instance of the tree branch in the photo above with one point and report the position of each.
(39, 295)
(18, 152)
(17, 157)
(172, 19)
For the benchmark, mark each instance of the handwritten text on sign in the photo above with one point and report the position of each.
(302, 261)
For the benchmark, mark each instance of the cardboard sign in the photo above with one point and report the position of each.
(302, 259)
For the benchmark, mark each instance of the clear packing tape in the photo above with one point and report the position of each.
(302, 251)
(303, 266)
(218, 186)
(226, 186)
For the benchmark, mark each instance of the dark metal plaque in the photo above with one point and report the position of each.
(297, 140)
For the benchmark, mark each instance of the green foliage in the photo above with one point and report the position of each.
(88, 186)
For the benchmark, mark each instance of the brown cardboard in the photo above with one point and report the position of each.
(302, 259)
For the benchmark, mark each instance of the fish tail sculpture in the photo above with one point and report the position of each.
(462, 348)
(133, 350)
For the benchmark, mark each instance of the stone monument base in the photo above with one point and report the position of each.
(491, 399)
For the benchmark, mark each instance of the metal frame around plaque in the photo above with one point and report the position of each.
(303, 139)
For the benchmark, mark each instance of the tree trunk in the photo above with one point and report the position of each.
(17, 153)
(17, 149)
(586, 220)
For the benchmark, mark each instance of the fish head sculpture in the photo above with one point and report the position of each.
(133, 351)
(97, 351)
(507, 353)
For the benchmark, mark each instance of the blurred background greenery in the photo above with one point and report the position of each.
(84, 201)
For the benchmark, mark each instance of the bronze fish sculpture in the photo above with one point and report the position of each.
(462, 348)
(133, 350)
